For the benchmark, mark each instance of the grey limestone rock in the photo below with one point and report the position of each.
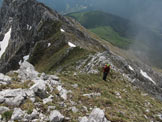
(56, 116)
(97, 115)
(18, 114)
(3, 109)
(13, 97)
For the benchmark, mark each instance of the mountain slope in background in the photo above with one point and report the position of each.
(145, 12)
(111, 28)
(43, 40)
(124, 34)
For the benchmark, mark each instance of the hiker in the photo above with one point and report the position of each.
(106, 71)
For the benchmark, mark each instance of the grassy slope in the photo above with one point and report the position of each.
(106, 26)
(108, 34)
(132, 106)
(57, 57)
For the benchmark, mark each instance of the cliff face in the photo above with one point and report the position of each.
(24, 18)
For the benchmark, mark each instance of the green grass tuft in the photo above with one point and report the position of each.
(7, 115)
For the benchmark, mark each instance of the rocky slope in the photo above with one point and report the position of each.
(32, 102)
(58, 45)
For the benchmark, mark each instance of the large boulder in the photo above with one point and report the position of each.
(97, 115)
(56, 116)
(39, 88)
(13, 97)
(18, 114)
(27, 72)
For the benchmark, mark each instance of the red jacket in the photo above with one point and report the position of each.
(106, 68)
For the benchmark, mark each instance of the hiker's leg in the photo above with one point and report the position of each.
(104, 76)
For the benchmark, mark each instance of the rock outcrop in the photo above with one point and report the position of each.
(56, 116)
(97, 115)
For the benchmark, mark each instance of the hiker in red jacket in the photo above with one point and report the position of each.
(106, 71)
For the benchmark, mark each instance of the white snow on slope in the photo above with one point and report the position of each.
(26, 57)
(71, 44)
(29, 27)
(130, 68)
(49, 44)
(4, 42)
(62, 30)
(146, 76)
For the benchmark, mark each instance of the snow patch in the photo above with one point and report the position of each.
(71, 44)
(29, 27)
(4, 42)
(146, 76)
(130, 68)
(26, 57)
(62, 30)
(49, 44)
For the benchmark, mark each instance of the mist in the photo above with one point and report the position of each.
(147, 14)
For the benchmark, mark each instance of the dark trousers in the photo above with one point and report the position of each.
(105, 75)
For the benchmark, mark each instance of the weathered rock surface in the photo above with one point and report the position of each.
(49, 99)
(4, 79)
(13, 97)
(56, 116)
(17, 114)
(3, 109)
(27, 72)
(63, 92)
(97, 115)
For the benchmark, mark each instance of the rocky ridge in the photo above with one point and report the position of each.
(32, 23)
